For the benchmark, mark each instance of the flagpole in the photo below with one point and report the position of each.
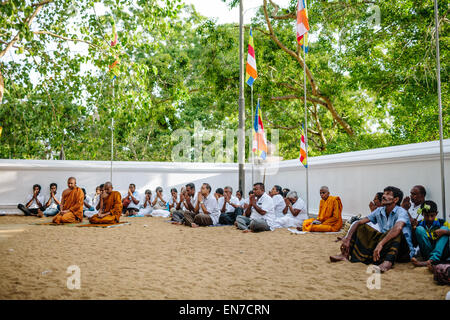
(252, 118)
(241, 131)
(441, 136)
(112, 137)
(306, 123)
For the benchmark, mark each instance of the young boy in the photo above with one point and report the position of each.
(53, 202)
(432, 234)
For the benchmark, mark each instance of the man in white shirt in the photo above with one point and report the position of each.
(134, 200)
(53, 202)
(294, 212)
(188, 198)
(413, 203)
(88, 208)
(229, 207)
(206, 211)
(34, 206)
(240, 197)
(259, 215)
(278, 201)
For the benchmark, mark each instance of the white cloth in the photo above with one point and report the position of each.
(265, 202)
(413, 212)
(88, 200)
(278, 205)
(288, 220)
(171, 202)
(133, 205)
(95, 201)
(53, 204)
(241, 202)
(228, 207)
(212, 207)
(34, 204)
(160, 204)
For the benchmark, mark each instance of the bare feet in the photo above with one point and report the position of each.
(339, 239)
(176, 222)
(40, 214)
(385, 266)
(247, 231)
(194, 225)
(418, 263)
(430, 266)
(299, 228)
(339, 257)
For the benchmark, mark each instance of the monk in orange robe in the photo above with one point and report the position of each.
(71, 204)
(110, 206)
(330, 214)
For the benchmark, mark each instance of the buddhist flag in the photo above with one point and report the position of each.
(304, 39)
(250, 73)
(1, 129)
(302, 20)
(303, 155)
(259, 146)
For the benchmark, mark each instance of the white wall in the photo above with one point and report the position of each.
(354, 176)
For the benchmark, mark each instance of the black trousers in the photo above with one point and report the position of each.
(230, 217)
(28, 211)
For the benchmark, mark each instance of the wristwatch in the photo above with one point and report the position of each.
(201, 202)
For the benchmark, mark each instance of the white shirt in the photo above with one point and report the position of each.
(413, 212)
(171, 201)
(34, 205)
(53, 204)
(278, 205)
(193, 202)
(95, 201)
(88, 200)
(300, 205)
(229, 207)
(133, 205)
(265, 202)
(241, 202)
(160, 204)
(212, 207)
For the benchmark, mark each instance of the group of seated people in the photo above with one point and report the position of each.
(396, 229)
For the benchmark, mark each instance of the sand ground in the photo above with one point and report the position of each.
(153, 259)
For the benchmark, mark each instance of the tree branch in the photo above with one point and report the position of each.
(65, 38)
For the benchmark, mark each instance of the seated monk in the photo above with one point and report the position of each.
(110, 206)
(71, 204)
(330, 214)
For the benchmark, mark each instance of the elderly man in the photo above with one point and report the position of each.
(259, 215)
(188, 198)
(71, 204)
(229, 207)
(413, 203)
(110, 207)
(294, 212)
(394, 242)
(330, 214)
(206, 211)
(279, 203)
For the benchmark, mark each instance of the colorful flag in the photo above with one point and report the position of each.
(114, 42)
(251, 73)
(259, 146)
(305, 39)
(303, 156)
(302, 20)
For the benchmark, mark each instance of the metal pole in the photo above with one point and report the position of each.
(251, 126)
(241, 131)
(112, 138)
(441, 136)
(306, 123)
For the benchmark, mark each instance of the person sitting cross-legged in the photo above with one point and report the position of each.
(147, 208)
(229, 207)
(159, 204)
(206, 211)
(53, 202)
(71, 204)
(188, 199)
(330, 214)
(259, 215)
(394, 242)
(294, 212)
(132, 201)
(110, 207)
(34, 206)
(432, 234)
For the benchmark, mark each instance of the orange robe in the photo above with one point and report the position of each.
(71, 200)
(330, 214)
(112, 204)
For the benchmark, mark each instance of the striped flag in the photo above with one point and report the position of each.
(250, 73)
(304, 39)
(302, 20)
(303, 156)
(259, 146)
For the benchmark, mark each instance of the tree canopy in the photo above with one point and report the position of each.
(371, 76)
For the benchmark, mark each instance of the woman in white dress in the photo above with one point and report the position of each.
(146, 209)
(160, 208)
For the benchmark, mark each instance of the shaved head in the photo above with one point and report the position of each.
(324, 188)
(108, 184)
(71, 182)
(72, 178)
